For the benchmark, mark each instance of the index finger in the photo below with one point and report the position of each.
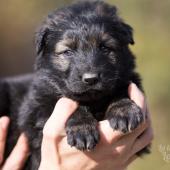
(18, 156)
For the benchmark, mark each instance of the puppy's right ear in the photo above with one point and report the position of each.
(40, 38)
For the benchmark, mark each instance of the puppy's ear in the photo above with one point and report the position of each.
(40, 38)
(127, 33)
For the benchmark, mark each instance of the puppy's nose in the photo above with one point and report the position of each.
(90, 78)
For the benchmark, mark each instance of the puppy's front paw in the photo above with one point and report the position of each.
(124, 116)
(83, 136)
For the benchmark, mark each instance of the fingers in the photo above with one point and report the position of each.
(143, 141)
(130, 160)
(18, 156)
(55, 125)
(139, 130)
(137, 96)
(54, 128)
(108, 135)
(4, 123)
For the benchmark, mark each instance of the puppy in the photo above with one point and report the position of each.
(83, 54)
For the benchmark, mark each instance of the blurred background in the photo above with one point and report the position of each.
(151, 22)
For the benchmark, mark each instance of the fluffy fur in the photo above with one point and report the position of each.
(83, 54)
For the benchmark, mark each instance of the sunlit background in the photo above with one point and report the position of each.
(151, 22)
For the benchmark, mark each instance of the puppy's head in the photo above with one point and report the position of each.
(85, 49)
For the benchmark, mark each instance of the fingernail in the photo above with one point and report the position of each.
(66, 102)
(23, 143)
(23, 138)
(131, 86)
(4, 122)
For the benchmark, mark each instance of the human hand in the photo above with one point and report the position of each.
(19, 154)
(114, 151)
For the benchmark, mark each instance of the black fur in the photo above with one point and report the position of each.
(96, 43)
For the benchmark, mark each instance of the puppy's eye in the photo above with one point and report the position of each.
(66, 52)
(105, 49)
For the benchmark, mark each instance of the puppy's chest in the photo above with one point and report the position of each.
(98, 109)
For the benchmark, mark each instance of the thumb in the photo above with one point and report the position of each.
(137, 96)
(52, 131)
(55, 125)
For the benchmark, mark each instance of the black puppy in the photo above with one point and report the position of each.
(83, 54)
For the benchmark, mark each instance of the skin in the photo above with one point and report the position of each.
(115, 150)
(20, 152)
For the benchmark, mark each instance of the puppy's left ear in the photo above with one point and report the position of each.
(40, 38)
(127, 33)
